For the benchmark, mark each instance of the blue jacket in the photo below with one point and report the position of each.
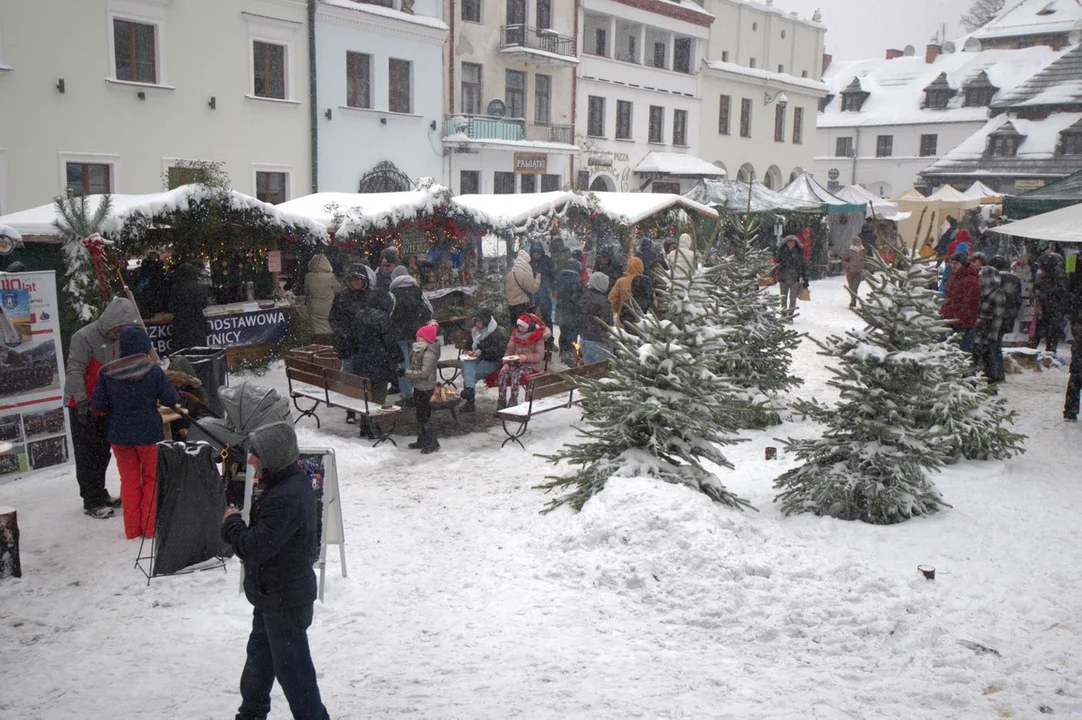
(280, 546)
(128, 392)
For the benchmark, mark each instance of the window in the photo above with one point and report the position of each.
(624, 110)
(471, 10)
(632, 49)
(469, 182)
(659, 55)
(503, 183)
(134, 49)
(270, 70)
(515, 93)
(471, 88)
(798, 125)
(400, 76)
(725, 56)
(928, 145)
(550, 183)
(779, 123)
(527, 183)
(89, 178)
(681, 55)
(884, 145)
(544, 14)
(979, 97)
(745, 117)
(1003, 145)
(781, 68)
(936, 99)
(1071, 143)
(673, 188)
(270, 187)
(751, 62)
(843, 147)
(803, 73)
(680, 127)
(725, 103)
(595, 116)
(542, 99)
(601, 43)
(184, 175)
(582, 180)
(358, 80)
(852, 102)
(516, 12)
(657, 124)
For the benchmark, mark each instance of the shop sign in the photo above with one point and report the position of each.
(531, 163)
(1028, 184)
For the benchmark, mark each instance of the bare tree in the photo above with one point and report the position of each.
(981, 12)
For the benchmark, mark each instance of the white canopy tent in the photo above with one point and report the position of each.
(1063, 225)
(985, 194)
(880, 208)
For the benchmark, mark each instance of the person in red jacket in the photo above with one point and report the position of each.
(962, 299)
(806, 243)
(961, 238)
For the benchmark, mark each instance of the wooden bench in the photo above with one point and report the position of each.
(322, 385)
(546, 392)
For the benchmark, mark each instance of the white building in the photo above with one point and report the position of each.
(886, 120)
(760, 89)
(110, 94)
(510, 70)
(380, 97)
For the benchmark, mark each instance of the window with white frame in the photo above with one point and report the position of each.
(400, 75)
(137, 41)
(88, 174)
(272, 186)
(271, 52)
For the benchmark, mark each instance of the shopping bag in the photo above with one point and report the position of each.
(803, 293)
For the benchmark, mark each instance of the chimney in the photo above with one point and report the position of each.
(931, 53)
(827, 59)
(892, 53)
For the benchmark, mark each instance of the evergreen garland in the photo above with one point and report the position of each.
(75, 221)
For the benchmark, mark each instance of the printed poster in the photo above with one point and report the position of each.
(34, 433)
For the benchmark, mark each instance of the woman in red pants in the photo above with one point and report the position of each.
(128, 392)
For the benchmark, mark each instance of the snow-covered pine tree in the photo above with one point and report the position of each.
(661, 412)
(75, 222)
(873, 460)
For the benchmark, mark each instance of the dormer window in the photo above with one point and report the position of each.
(980, 91)
(938, 93)
(1004, 141)
(853, 96)
(1070, 140)
(824, 101)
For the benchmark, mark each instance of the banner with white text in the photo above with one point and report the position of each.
(254, 327)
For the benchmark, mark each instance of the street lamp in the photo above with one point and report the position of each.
(778, 97)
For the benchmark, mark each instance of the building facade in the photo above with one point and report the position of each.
(86, 109)
(509, 70)
(380, 105)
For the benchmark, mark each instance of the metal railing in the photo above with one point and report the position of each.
(484, 127)
(524, 36)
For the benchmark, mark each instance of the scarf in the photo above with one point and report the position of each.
(534, 337)
(480, 335)
(130, 367)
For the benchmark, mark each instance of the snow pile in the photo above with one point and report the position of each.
(682, 164)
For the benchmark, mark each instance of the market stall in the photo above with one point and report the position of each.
(928, 214)
(844, 219)
(1059, 194)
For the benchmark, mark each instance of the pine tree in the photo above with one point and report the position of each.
(661, 412)
(75, 222)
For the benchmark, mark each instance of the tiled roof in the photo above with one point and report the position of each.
(1058, 84)
(1036, 157)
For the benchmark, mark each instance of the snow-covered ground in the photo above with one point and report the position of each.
(464, 602)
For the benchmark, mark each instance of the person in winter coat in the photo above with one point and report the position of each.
(1011, 285)
(963, 299)
(946, 239)
(961, 238)
(595, 314)
(1074, 382)
(682, 258)
(91, 347)
(320, 287)
(411, 311)
(792, 270)
(527, 345)
(608, 263)
(988, 347)
(129, 389)
(487, 345)
(187, 300)
(346, 308)
(148, 286)
(945, 276)
(388, 261)
(278, 548)
(520, 285)
(620, 296)
(568, 295)
(806, 243)
(542, 266)
(1053, 299)
(853, 263)
(422, 376)
(377, 349)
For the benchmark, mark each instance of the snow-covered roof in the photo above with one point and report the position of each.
(10, 232)
(1033, 17)
(980, 190)
(387, 12)
(896, 87)
(520, 144)
(1036, 155)
(682, 164)
(733, 195)
(1060, 83)
(1063, 225)
(879, 207)
(38, 221)
(631, 208)
(817, 87)
(513, 210)
(806, 189)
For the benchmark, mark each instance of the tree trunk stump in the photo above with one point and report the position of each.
(9, 544)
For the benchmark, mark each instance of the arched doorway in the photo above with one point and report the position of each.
(746, 173)
(721, 165)
(797, 171)
(603, 183)
(384, 177)
(881, 189)
(773, 178)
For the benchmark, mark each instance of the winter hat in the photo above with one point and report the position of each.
(17, 266)
(961, 257)
(979, 256)
(399, 271)
(483, 316)
(134, 341)
(999, 263)
(389, 253)
(598, 281)
(357, 270)
(275, 445)
(963, 236)
(524, 322)
(574, 266)
(685, 240)
(428, 332)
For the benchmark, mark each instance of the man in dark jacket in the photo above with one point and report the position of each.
(378, 353)
(1053, 298)
(187, 300)
(411, 311)
(148, 286)
(1011, 285)
(608, 263)
(542, 265)
(278, 549)
(595, 315)
(388, 261)
(487, 345)
(792, 270)
(963, 299)
(347, 305)
(568, 294)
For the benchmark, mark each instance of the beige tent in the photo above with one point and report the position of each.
(925, 223)
(987, 195)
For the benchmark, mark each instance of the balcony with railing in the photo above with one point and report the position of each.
(480, 128)
(539, 43)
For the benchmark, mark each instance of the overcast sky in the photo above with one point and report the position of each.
(858, 29)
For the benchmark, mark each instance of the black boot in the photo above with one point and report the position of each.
(468, 395)
(351, 417)
(429, 444)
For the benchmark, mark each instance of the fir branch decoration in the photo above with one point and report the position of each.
(76, 221)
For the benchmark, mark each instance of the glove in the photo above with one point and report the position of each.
(83, 412)
(401, 372)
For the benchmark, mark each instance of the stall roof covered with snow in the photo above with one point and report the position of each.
(880, 208)
(510, 211)
(733, 195)
(805, 189)
(1063, 225)
(1028, 18)
(632, 208)
(1059, 194)
(680, 165)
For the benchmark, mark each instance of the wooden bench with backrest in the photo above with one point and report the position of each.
(320, 384)
(545, 392)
